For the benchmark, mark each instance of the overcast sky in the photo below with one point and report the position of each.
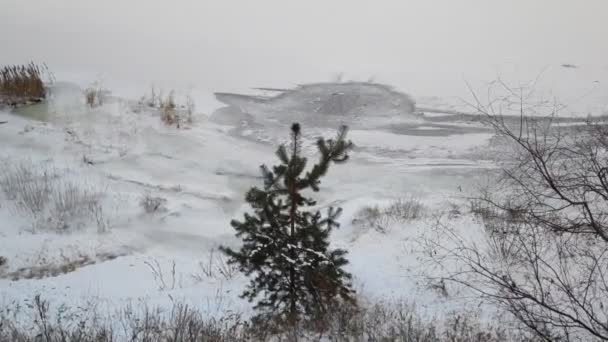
(224, 44)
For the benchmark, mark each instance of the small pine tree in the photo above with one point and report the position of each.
(285, 247)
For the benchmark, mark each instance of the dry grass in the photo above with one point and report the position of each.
(406, 209)
(51, 201)
(153, 204)
(168, 110)
(189, 109)
(22, 84)
(184, 323)
(215, 266)
(172, 113)
(164, 280)
(93, 95)
(398, 211)
(502, 228)
(152, 101)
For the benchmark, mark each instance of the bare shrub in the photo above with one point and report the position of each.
(3, 261)
(152, 204)
(503, 241)
(152, 101)
(225, 269)
(207, 269)
(399, 210)
(547, 223)
(454, 210)
(438, 287)
(405, 209)
(371, 215)
(22, 83)
(502, 228)
(164, 281)
(69, 201)
(38, 191)
(216, 265)
(482, 209)
(27, 186)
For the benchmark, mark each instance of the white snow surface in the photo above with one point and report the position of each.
(203, 171)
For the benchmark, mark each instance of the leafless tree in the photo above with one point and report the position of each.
(546, 257)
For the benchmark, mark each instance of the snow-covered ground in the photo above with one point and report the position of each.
(113, 252)
(123, 152)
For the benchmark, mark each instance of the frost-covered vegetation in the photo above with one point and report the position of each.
(139, 322)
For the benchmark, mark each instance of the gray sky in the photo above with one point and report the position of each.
(427, 45)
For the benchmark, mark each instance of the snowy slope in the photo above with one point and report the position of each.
(203, 172)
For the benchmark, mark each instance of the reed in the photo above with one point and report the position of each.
(22, 83)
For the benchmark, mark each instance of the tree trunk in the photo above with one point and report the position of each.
(292, 275)
(292, 218)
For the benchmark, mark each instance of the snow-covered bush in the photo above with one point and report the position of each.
(51, 200)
